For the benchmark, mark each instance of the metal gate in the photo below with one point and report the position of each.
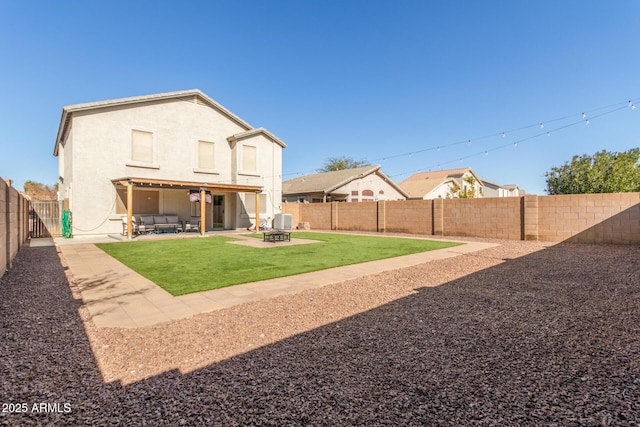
(45, 218)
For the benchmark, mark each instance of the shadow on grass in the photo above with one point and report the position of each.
(550, 338)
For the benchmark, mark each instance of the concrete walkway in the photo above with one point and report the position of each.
(116, 296)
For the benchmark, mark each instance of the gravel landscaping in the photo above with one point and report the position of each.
(521, 334)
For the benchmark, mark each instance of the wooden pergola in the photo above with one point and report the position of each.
(130, 183)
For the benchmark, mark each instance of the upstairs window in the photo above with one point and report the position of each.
(249, 158)
(142, 146)
(206, 155)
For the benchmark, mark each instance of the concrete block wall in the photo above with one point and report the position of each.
(585, 218)
(357, 216)
(14, 224)
(497, 218)
(530, 220)
(318, 215)
(590, 218)
(408, 216)
(5, 252)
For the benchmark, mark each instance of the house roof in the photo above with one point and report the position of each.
(435, 175)
(419, 188)
(326, 182)
(491, 183)
(193, 95)
(422, 183)
(510, 187)
(257, 131)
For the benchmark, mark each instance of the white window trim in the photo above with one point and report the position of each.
(241, 171)
(132, 164)
(138, 164)
(196, 158)
(252, 174)
(207, 171)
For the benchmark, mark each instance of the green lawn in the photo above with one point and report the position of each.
(183, 266)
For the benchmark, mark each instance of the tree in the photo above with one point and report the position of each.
(38, 191)
(468, 192)
(604, 172)
(339, 163)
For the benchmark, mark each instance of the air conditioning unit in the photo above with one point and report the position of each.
(282, 221)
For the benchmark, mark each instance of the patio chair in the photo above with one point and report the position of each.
(134, 226)
(192, 224)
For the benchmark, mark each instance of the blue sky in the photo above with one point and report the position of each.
(372, 80)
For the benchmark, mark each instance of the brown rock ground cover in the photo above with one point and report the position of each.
(521, 334)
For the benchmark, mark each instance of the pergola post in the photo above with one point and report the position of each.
(257, 212)
(129, 210)
(203, 211)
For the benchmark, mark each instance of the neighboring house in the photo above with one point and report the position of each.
(162, 152)
(491, 189)
(367, 183)
(439, 184)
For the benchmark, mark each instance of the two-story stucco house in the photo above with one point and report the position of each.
(164, 154)
(491, 189)
(442, 184)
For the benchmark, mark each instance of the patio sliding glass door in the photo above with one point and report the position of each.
(218, 212)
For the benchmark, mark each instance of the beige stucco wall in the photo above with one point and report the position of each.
(373, 182)
(99, 149)
(492, 191)
(268, 176)
(442, 191)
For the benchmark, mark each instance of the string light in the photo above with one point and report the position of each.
(540, 124)
(610, 109)
(548, 133)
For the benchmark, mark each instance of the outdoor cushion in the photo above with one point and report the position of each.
(172, 219)
(159, 219)
(147, 219)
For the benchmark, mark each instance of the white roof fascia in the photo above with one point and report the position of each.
(252, 132)
(353, 178)
(391, 183)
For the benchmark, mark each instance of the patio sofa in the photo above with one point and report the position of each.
(159, 222)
